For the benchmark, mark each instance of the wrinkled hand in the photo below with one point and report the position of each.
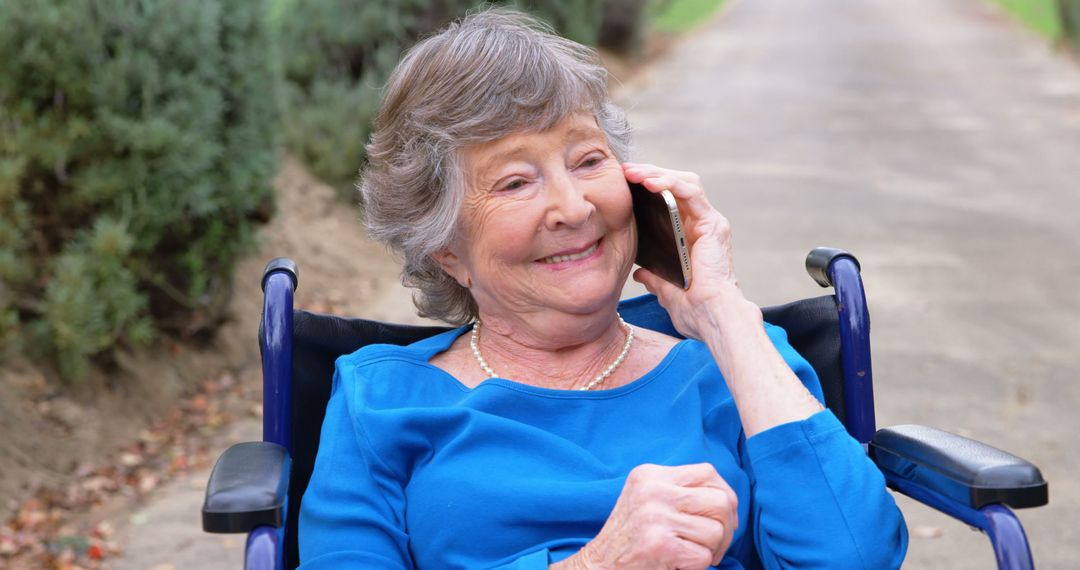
(666, 518)
(709, 237)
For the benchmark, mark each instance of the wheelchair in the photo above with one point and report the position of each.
(256, 487)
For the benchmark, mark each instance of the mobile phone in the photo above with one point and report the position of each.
(661, 246)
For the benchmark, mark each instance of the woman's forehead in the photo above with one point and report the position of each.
(573, 129)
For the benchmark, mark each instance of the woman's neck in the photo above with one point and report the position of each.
(557, 351)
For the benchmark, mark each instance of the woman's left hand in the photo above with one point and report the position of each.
(709, 237)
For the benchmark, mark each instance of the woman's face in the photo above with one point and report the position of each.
(547, 223)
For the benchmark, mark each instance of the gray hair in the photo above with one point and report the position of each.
(492, 74)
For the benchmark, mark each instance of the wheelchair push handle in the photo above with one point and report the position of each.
(820, 260)
(282, 265)
(838, 268)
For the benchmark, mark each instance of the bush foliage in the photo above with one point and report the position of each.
(338, 53)
(138, 139)
(137, 143)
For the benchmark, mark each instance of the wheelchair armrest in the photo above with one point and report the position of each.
(967, 471)
(247, 488)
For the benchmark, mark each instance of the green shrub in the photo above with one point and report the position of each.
(137, 144)
(1043, 16)
(338, 53)
(1070, 23)
(680, 16)
(622, 27)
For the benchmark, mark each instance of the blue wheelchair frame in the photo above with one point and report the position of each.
(1011, 548)
(829, 267)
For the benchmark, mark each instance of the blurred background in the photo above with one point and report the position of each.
(155, 154)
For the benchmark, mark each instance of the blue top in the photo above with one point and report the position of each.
(415, 470)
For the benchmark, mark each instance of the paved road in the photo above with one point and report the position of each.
(940, 143)
(936, 140)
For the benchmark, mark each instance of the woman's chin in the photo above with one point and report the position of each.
(588, 296)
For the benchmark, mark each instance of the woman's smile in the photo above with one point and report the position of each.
(574, 257)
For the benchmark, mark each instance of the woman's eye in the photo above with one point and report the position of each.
(591, 160)
(514, 185)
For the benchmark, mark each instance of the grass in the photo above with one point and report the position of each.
(677, 16)
(1040, 15)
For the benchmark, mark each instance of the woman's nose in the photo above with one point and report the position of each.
(568, 206)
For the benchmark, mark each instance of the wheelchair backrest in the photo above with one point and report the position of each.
(812, 326)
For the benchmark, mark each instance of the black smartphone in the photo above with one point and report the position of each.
(661, 246)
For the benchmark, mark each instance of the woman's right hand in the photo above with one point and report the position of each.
(665, 518)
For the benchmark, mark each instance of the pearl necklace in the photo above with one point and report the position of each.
(474, 342)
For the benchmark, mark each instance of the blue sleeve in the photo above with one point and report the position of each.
(819, 501)
(353, 512)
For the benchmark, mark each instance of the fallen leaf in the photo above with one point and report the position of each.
(31, 515)
(102, 530)
(7, 546)
(200, 403)
(129, 459)
(98, 483)
(150, 436)
(147, 482)
(178, 463)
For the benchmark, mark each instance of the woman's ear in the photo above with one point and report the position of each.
(452, 265)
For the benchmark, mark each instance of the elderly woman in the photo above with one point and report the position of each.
(545, 431)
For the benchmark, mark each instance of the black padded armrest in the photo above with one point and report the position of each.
(247, 488)
(965, 470)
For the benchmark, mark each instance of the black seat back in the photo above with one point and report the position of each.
(318, 340)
